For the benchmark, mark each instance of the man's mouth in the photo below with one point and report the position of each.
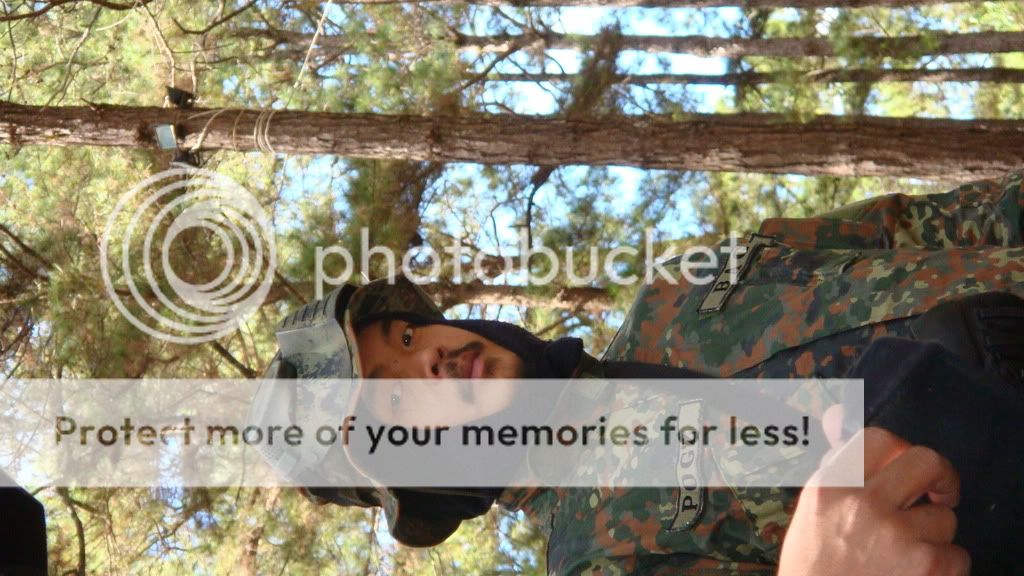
(477, 367)
(466, 363)
(472, 370)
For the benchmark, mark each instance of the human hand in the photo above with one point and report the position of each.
(882, 528)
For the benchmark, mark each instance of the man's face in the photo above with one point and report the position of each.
(453, 367)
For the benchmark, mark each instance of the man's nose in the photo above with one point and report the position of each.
(428, 363)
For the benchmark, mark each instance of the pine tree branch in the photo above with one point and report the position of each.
(56, 3)
(24, 247)
(227, 355)
(79, 528)
(216, 22)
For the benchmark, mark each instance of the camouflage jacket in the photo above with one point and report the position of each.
(807, 306)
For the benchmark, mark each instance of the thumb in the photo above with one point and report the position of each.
(832, 423)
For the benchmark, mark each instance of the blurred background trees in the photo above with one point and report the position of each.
(796, 59)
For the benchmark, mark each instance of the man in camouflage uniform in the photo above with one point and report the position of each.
(812, 295)
(816, 294)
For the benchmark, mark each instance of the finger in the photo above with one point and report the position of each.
(880, 448)
(829, 458)
(931, 523)
(941, 560)
(948, 498)
(870, 450)
(843, 466)
(957, 561)
(915, 472)
(832, 424)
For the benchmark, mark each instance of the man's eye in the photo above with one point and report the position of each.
(396, 396)
(407, 336)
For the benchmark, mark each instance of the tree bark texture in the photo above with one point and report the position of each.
(992, 75)
(706, 46)
(947, 150)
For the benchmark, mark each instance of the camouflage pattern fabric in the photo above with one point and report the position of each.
(806, 308)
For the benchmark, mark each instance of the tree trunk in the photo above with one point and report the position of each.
(683, 3)
(476, 292)
(251, 536)
(993, 75)
(585, 298)
(949, 150)
(65, 497)
(708, 46)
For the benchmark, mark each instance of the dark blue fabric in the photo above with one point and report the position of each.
(22, 532)
(930, 396)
